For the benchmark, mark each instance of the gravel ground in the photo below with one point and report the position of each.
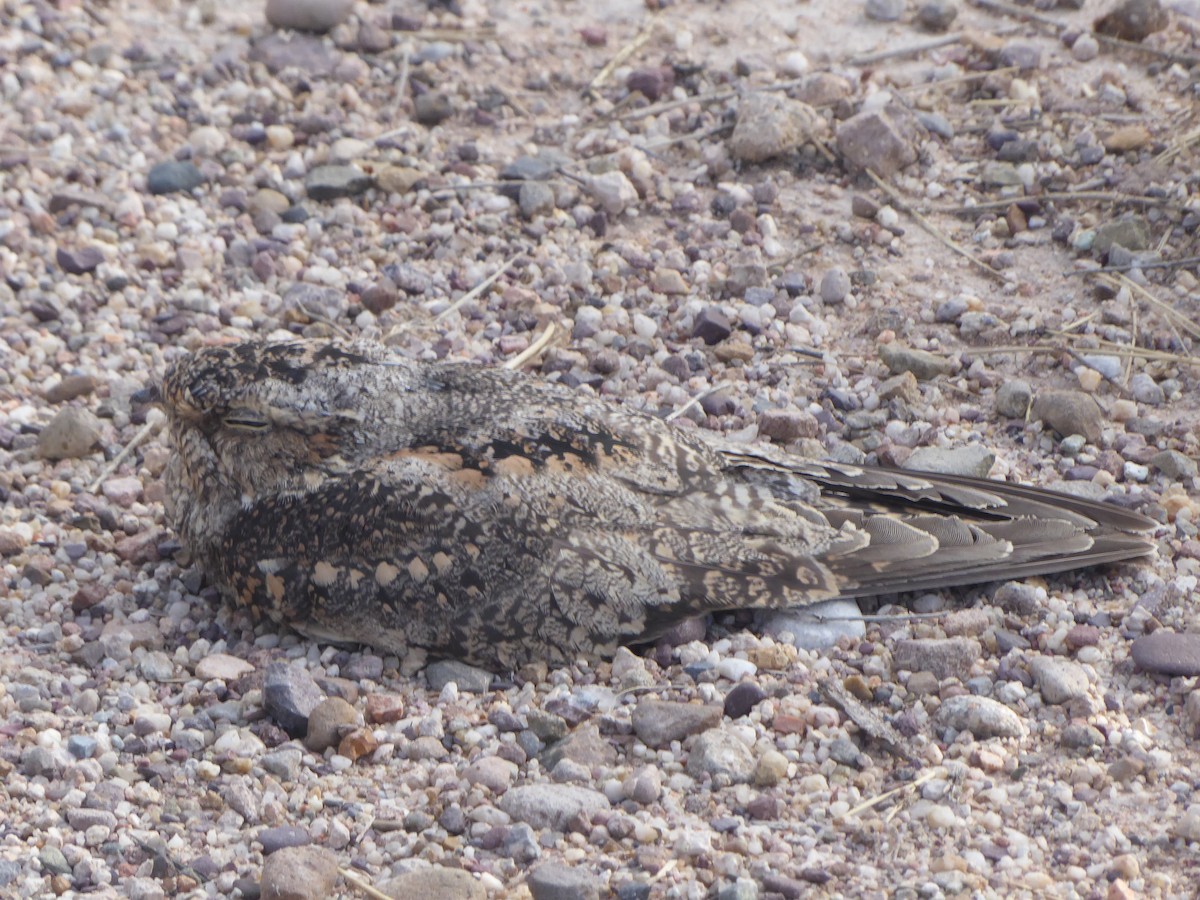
(695, 226)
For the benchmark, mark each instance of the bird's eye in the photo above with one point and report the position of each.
(245, 421)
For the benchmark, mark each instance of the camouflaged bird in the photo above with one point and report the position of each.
(485, 515)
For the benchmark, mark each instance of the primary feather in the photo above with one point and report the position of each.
(486, 515)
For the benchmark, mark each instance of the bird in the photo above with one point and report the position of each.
(459, 511)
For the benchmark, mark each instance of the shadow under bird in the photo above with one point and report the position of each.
(486, 515)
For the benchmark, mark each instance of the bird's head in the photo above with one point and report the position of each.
(251, 419)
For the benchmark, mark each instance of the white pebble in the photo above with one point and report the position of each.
(644, 326)
(735, 669)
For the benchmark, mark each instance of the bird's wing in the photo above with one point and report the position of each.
(930, 530)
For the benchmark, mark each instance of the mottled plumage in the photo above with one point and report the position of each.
(483, 514)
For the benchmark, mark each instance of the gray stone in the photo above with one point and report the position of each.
(884, 141)
(951, 309)
(583, 746)
(1017, 597)
(835, 286)
(314, 300)
(432, 108)
(289, 696)
(10, 869)
(1059, 680)
(885, 10)
(331, 182)
(937, 124)
(555, 881)
(142, 889)
(71, 386)
(786, 425)
(1013, 399)
(547, 726)
(78, 260)
(520, 843)
(815, 627)
(742, 699)
(720, 752)
(974, 460)
(157, 666)
(712, 326)
(770, 125)
(326, 721)
(282, 837)
(903, 386)
(81, 818)
(284, 763)
(742, 889)
(937, 15)
(552, 805)
(644, 786)
(944, 657)
(536, 198)
(81, 746)
(1133, 20)
(308, 15)
(299, 873)
(172, 177)
(434, 883)
(983, 717)
(1168, 653)
(53, 861)
(613, 192)
(535, 168)
(1146, 390)
(999, 174)
(303, 53)
(1132, 234)
(1069, 412)
(1025, 55)
(1174, 465)
(1086, 48)
(72, 433)
(470, 679)
(492, 772)
(659, 722)
(37, 761)
(923, 364)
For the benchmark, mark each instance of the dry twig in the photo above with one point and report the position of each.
(927, 775)
(707, 392)
(533, 349)
(475, 291)
(901, 204)
(639, 41)
(154, 421)
(362, 884)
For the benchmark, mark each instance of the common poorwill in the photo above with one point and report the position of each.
(486, 515)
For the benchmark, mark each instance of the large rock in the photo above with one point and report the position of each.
(983, 717)
(658, 722)
(770, 125)
(299, 873)
(721, 752)
(1069, 412)
(435, 883)
(883, 140)
(944, 657)
(71, 434)
(552, 805)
